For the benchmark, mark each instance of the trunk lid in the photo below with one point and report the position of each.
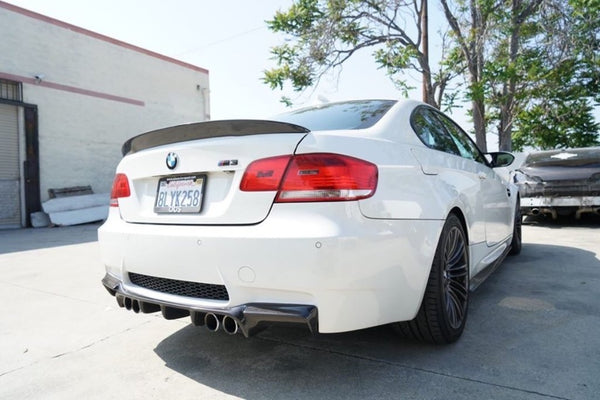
(211, 160)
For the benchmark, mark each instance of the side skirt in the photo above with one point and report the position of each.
(482, 275)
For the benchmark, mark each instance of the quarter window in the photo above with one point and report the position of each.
(432, 132)
(466, 146)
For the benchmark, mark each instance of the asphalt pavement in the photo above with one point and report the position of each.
(533, 333)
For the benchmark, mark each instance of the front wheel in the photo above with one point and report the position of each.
(443, 313)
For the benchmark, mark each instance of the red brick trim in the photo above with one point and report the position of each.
(71, 89)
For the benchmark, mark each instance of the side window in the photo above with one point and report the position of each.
(466, 146)
(432, 132)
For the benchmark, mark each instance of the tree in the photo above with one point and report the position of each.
(531, 67)
(542, 74)
(471, 25)
(557, 111)
(327, 33)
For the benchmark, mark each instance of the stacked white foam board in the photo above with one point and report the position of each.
(75, 210)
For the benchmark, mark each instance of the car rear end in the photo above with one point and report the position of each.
(247, 228)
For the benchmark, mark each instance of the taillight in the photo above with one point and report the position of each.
(264, 175)
(120, 188)
(327, 177)
(312, 177)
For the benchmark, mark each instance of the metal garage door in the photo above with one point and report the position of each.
(10, 198)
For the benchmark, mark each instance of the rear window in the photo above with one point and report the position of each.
(586, 157)
(358, 114)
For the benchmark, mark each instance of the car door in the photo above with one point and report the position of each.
(458, 174)
(494, 192)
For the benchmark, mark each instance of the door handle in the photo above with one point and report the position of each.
(482, 176)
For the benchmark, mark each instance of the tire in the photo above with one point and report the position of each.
(516, 243)
(443, 313)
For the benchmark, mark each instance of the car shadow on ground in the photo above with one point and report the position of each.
(289, 362)
(512, 347)
(16, 240)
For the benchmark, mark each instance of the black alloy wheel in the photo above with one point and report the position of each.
(455, 277)
(443, 313)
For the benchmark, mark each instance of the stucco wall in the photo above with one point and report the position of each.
(95, 93)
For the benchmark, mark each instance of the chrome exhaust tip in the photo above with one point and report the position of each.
(230, 325)
(212, 322)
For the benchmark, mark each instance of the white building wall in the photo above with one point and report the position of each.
(94, 93)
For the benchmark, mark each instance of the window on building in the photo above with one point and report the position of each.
(10, 90)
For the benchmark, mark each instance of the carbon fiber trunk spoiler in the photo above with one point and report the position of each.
(205, 130)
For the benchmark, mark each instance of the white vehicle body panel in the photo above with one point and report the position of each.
(360, 263)
(329, 256)
(223, 203)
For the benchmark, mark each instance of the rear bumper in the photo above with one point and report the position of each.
(561, 201)
(248, 317)
(357, 272)
(555, 205)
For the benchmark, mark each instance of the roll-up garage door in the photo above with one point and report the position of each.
(10, 193)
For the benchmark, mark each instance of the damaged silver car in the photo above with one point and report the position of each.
(560, 182)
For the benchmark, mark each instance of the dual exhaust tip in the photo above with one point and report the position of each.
(213, 322)
(131, 305)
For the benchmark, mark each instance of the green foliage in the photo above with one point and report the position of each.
(299, 18)
(585, 34)
(286, 101)
(322, 34)
(544, 91)
(395, 58)
(532, 67)
(559, 112)
(556, 124)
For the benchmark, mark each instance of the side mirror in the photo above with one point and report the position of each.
(500, 159)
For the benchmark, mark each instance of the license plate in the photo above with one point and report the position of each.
(182, 194)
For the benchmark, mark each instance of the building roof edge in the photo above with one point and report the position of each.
(95, 35)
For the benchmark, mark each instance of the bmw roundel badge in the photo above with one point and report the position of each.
(171, 160)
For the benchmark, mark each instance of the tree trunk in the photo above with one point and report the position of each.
(505, 130)
(471, 45)
(476, 63)
(427, 85)
(509, 88)
(479, 124)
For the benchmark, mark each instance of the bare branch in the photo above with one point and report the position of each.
(454, 25)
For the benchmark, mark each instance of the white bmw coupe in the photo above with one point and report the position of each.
(340, 217)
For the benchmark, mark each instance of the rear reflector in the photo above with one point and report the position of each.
(312, 177)
(120, 189)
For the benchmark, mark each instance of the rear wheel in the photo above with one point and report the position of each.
(515, 245)
(443, 313)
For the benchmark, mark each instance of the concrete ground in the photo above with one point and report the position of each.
(533, 333)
